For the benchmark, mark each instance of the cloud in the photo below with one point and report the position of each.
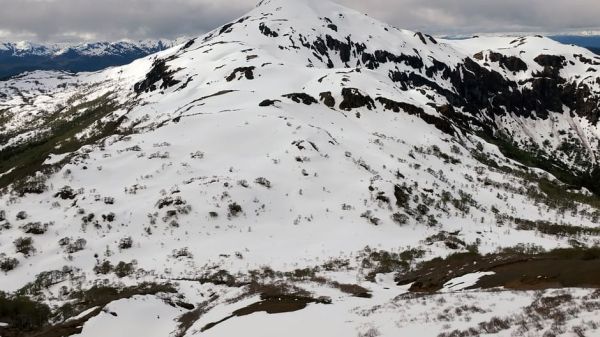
(115, 19)
(479, 16)
(60, 20)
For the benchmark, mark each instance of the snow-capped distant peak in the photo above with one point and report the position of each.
(26, 48)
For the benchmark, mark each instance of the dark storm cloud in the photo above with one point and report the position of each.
(138, 19)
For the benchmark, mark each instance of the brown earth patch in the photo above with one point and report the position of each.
(272, 304)
(544, 274)
(559, 268)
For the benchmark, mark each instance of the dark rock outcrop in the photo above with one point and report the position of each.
(327, 99)
(302, 98)
(159, 72)
(268, 102)
(353, 99)
(510, 63)
(247, 72)
(266, 31)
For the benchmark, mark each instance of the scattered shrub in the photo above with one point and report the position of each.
(234, 209)
(126, 243)
(64, 241)
(159, 155)
(263, 182)
(35, 228)
(47, 279)
(8, 263)
(197, 155)
(110, 217)
(22, 215)
(24, 246)
(400, 219)
(103, 268)
(66, 193)
(123, 269)
(422, 209)
(383, 262)
(31, 185)
(183, 252)
(168, 201)
(372, 218)
(76, 246)
(88, 218)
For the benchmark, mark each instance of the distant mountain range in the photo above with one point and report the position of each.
(591, 42)
(16, 58)
(19, 57)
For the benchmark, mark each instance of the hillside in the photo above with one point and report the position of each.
(312, 163)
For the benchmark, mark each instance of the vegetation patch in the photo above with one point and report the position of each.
(25, 317)
(28, 158)
(22, 315)
(247, 72)
(550, 228)
(383, 262)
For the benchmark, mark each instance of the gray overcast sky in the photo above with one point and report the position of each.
(65, 20)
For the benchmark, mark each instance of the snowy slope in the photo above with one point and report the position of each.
(299, 134)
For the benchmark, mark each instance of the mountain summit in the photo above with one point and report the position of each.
(309, 160)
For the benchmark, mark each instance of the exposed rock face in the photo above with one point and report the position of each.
(491, 85)
(327, 99)
(159, 72)
(247, 72)
(302, 98)
(267, 31)
(511, 63)
(552, 61)
(353, 98)
(268, 102)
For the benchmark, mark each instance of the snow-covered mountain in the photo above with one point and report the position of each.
(18, 57)
(309, 162)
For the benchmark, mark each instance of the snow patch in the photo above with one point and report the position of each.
(465, 281)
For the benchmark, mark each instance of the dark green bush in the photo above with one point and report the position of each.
(22, 313)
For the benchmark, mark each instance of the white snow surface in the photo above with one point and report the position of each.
(192, 152)
(138, 316)
(465, 281)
